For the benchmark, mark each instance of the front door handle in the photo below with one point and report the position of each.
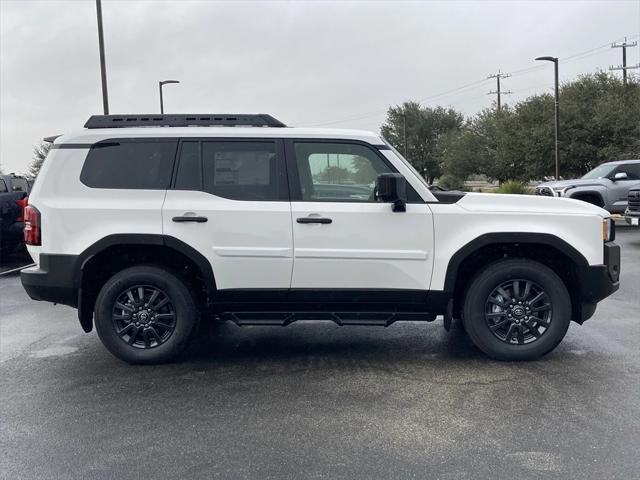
(314, 220)
(189, 219)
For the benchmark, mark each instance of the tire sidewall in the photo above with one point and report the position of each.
(495, 275)
(186, 314)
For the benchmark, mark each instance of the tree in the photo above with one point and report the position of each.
(599, 122)
(39, 154)
(425, 128)
(333, 174)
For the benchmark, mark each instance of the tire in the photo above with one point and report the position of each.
(489, 315)
(152, 331)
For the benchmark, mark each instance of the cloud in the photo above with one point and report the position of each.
(305, 62)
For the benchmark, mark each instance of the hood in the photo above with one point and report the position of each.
(493, 202)
(578, 182)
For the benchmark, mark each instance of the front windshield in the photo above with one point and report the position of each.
(406, 162)
(600, 172)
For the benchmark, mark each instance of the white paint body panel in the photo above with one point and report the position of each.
(367, 246)
(249, 244)
(75, 216)
(577, 223)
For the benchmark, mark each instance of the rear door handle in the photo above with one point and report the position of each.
(314, 220)
(189, 219)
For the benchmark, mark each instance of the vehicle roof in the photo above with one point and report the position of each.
(96, 134)
(621, 162)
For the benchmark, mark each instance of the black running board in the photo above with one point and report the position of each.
(282, 319)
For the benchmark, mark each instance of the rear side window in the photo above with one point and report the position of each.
(19, 185)
(3, 186)
(143, 165)
(237, 170)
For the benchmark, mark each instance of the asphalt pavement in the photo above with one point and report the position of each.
(320, 401)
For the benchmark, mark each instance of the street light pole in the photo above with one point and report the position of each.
(103, 70)
(557, 107)
(160, 85)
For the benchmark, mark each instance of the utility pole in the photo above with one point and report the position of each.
(103, 69)
(404, 132)
(624, 45)
(498, 92)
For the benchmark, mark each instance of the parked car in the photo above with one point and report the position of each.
(632, 214)
(606, 186)
(13, 198)
(189, 219)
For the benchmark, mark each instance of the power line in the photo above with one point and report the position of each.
(472, 85)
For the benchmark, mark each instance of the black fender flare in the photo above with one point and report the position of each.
(595, 193)
(85, 315)
(509, 238)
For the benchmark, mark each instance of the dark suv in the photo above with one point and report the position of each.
(14, 191)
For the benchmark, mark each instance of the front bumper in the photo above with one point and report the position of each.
(597, 282)
(632, 217)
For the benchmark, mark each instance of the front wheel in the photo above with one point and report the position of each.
(146, 315)
(517, 309)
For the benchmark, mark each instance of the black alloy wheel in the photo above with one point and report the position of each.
(144, 316)
(518, 311)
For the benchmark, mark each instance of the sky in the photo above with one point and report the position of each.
(308, 63)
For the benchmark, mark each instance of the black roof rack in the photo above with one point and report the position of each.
(183, 120)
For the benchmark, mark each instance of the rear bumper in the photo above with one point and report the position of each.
(599, 281)
(54, 280)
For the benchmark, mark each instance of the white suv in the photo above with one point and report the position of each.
(146, 231)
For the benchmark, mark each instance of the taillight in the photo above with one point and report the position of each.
(22, 204)
(32, 226)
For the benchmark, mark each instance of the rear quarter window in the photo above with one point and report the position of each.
(130, 164)
(3, 186)
(19, 185)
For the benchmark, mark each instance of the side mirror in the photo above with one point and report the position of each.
(392, 188)
(620, 176)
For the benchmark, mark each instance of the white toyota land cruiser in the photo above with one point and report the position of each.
(236, 217)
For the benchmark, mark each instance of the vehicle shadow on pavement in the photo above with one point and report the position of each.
(226, 343)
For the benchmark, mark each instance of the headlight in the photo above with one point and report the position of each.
(608, 230)
(562, 192)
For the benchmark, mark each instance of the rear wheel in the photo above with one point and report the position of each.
(145, 315)
(517, 309)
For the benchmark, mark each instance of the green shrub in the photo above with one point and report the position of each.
(515, 188)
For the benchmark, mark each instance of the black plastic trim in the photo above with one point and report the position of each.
(448, 197)
(183, 120)
(510, 238)
(330, 300)
(59, 277)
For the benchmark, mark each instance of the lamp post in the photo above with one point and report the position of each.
(103, 68)
(557, 104)
(160, 85)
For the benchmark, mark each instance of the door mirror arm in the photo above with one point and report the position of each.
(392, 188)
